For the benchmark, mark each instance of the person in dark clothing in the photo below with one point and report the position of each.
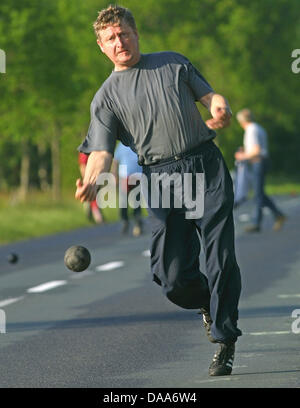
(148, 102)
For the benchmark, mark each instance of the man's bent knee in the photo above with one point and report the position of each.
(192, 295)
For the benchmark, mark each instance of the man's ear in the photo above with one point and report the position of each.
(100, 45)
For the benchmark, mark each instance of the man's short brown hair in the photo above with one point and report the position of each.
(113, 15)
(245, 115)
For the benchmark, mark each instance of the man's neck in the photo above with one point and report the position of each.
(246, 124)
(123, 67)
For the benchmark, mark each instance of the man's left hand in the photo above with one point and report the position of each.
(221, 118)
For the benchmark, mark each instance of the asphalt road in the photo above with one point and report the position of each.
(110, 326)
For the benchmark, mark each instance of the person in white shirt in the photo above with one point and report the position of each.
(125, 164)
(256, 153)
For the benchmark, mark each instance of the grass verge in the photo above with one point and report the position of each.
(40, 216)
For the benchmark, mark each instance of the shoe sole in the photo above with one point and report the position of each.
(220, 372)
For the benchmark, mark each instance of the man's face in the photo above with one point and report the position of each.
(120, 44)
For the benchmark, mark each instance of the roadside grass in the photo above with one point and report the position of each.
(40, 216)
(281, 186)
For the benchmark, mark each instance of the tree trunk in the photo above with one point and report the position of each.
(42, 172)
(24, 171)
(55, 156)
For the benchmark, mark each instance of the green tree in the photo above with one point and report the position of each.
(54, 68)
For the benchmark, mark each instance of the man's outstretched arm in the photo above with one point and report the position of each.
(219, 109)
(98, 162)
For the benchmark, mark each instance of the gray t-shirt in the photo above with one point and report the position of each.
(151, 108)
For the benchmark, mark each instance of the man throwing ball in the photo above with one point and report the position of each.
(148, 102)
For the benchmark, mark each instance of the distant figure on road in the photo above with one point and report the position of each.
(242, 181)
(256, 153)
(93, 211)
(126, 164)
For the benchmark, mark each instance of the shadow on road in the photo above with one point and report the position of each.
(101, 321)
(268, 311)
(266, 372)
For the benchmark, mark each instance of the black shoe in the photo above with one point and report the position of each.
(207, 322)
(252, 228)
(223, 360)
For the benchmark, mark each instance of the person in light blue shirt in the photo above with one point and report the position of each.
(256, 153)
(242, 181)
(126, 161)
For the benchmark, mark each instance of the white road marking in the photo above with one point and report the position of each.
(146, 253)
(287, 296)
(269, 332)
(46, 286)
(9, 301)
(109, 266)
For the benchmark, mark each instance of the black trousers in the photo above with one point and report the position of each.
(136, 213)
(175, 246)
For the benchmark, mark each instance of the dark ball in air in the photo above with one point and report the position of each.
(12, 258)
(77, 258)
